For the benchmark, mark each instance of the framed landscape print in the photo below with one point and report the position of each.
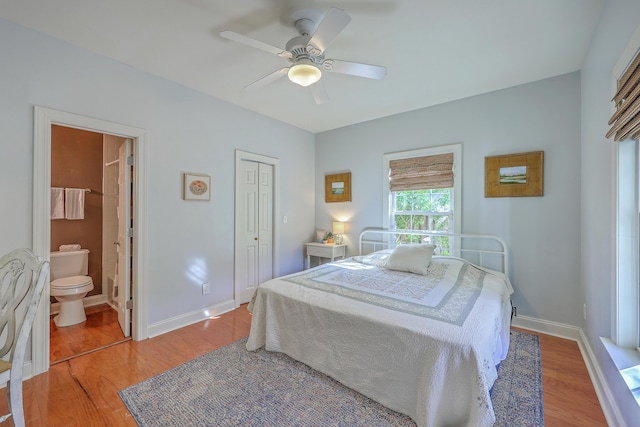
(337, 187)
(514, 175)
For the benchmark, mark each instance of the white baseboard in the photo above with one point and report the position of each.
(187, 319)
(86, 301)
(606, 398)
(546, 327)
(607, 401)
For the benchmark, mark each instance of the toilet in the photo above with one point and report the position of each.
(69, 284)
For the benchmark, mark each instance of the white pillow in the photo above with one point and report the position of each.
(411, 258)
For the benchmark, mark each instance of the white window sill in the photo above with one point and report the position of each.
(627, 360)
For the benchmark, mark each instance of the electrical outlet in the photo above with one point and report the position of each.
(205, 288)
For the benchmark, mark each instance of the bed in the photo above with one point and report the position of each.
(422, 340)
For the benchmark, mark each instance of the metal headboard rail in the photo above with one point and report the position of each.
(386, 239)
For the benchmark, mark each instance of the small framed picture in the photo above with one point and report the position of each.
(514, 175)
(337, 187)
(196, 187)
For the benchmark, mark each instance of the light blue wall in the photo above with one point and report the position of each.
(187, 131)
(560, 243)
(615, 28)
(543, 233)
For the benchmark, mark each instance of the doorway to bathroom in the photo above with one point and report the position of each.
(99, 168)
(44, 120)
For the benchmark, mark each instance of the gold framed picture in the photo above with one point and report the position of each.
(514, 175)
(196, 187)
(337, 187)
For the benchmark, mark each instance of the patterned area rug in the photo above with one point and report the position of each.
(234, 387)
(517, 393)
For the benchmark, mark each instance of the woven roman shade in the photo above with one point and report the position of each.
(420, 173)
(626, 120)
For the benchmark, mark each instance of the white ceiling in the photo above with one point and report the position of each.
(434, 50)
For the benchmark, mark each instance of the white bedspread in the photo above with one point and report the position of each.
(428, 349)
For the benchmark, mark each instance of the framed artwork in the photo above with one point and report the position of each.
(196, 187)
(337, 187)
(514, 175)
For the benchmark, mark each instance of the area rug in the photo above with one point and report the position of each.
(235, 387)
(517, 393)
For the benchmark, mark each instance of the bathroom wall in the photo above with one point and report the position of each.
(76, 162)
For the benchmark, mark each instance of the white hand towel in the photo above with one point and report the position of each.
(74, 203)
(57, 203)
(70, 248)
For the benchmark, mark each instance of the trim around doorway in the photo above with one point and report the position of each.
(44, 118)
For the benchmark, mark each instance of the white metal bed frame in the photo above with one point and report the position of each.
(484, 250)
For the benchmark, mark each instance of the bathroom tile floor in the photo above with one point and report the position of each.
(100, 330)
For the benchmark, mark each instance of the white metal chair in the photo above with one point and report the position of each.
(22, 279)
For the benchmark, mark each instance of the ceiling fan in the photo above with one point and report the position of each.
(306, 54)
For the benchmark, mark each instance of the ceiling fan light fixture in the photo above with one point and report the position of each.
(304, 74)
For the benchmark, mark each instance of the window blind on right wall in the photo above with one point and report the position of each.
(625, 122)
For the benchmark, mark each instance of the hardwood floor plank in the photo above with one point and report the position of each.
(568, 393)
(84, 391)
(100, 329)
(57, 399)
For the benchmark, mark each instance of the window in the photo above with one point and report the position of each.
(429, 209)
(422, 189)
(625, 132)
(628, 241)
(625, 129)
(626, 332)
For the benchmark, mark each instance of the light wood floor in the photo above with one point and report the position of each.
(568, 394)
(83, 391)
(100, 330)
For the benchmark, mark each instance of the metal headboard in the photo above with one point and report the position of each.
(483, 250)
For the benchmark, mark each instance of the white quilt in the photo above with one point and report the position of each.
(426, 346)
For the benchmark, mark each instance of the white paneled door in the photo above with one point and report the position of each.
(254, 222)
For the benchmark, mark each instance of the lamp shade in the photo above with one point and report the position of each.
(338, 227)
(304, 73)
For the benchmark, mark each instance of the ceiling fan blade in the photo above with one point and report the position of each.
(230, 35)
(331, 25)
(319, 93)
(354, 68)
(269, 78)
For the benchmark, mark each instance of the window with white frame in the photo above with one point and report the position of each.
(422, 189)
(627, 327)
(625, 130)
(426, 209)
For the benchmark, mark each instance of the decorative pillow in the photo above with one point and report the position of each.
(411, 258)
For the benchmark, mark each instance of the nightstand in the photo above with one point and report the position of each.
(324, 250)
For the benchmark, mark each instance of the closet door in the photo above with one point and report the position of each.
(254, 257)
(265, 225)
